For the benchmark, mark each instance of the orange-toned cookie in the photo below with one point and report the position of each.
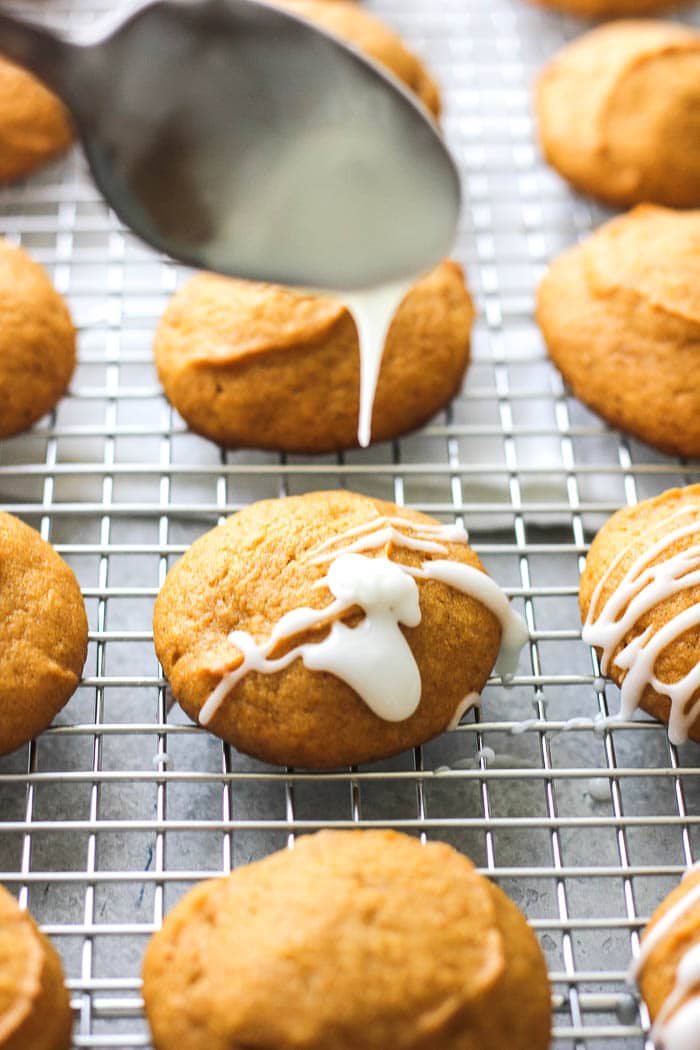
(37, 341)
(668, 969)
(611, 8)
(619, 113)
(372, 940)
(34, 125)
(620, 314)
(35, 1011)
(640, 602)
(43, 633)
(330, 629)
(376, 40)
(258, 365)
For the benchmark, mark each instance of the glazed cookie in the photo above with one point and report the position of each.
(258, 365)
(619, 113)
(34, 1003)
(34, 126)
(43, 633)
(330, 629)
(37, 341)
(621, 317)
(376, 940)
(356, 26)
(611, 8)
(668, 968)
(640, 602)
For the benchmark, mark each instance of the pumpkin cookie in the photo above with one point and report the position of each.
(611, 8)
(640, 602)
(668, 969)
(377, 41)
(34, 1004)
(621, 317)
(43, 633)
(330, 629)
(34, 125)
(37, 341)
(375, 941)
(619, 113)
(258, 365)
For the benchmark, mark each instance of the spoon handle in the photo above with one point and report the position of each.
(39, 49)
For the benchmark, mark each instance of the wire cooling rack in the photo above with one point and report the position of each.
(122, 806)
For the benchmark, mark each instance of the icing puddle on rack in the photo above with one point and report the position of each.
(374, 657)
(642, 589)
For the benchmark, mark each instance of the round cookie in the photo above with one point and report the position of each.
(374, 940)
(259, 365)
(668, 970)
(43, 633)
(620, 314)
(611, 8)
(640, 602)
(619, 113)
(34, 1003)
(37, 341)
(376, 40)
(266, 562)
(34, 125)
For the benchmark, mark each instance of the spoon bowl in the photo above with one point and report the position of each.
(236, 136)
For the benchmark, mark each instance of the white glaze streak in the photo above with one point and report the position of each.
(676, 1027)
(372, 311)
(642, 589)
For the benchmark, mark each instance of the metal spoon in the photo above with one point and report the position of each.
(238, 137)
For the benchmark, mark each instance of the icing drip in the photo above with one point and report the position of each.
(372, 311)
(471, 700)
(373, 658)
(677, 1026)
(643, 587)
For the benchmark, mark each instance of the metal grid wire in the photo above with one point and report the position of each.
(122, 806)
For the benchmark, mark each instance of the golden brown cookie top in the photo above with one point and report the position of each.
(673, 930)
(610, 8)
(222, 320)
(214, 320)
(618, 111)
(652, 252)
(34, 125)
(640, 600)
(376, 40)
(34, 1006)
(21, 960)
(376, 941)
(43, 632)
(37, 341)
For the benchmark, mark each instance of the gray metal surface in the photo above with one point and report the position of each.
(101, 835)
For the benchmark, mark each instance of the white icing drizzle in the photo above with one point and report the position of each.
(373, 311)
(471, 700)
(374, 658)
(643, 587)
(677, 1026)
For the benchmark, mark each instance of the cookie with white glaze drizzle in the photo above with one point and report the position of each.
(640, 602)
(668, 967)
(330, 629)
